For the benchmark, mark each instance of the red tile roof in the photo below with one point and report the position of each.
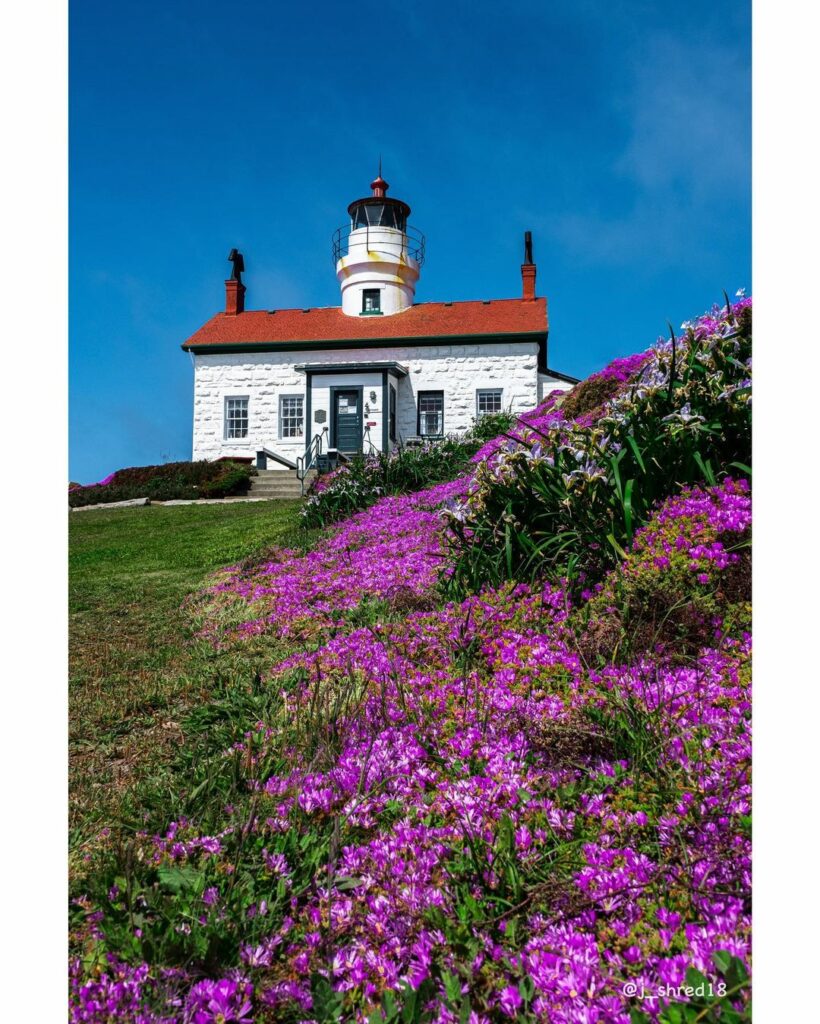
(425, 320)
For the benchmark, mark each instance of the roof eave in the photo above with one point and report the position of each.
(391, 342)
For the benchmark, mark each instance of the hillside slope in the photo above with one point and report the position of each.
(506, 772)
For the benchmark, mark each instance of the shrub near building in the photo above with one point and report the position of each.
(173, 480)
(368, 478)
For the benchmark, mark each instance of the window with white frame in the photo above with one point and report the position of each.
(487, 401)
(371, 300)
(236, 418)
(431, 413)
(292, 416)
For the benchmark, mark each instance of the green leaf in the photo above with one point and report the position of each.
(695, 978)
(636, 451)
(326, 1002)
(177, 879)
(705, 468)
(611, 538)
(389, 1005)
(452, 987)
(736, 974)
(722, 958)
(627, 503)
(343, 883)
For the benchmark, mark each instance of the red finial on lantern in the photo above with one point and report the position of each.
(379, 185)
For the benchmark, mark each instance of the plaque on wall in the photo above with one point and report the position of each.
(319, 416)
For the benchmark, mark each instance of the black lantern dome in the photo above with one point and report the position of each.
(378, 210)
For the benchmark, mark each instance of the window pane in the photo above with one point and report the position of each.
(488, 401)
(291, 416)
(236, 417)
(431, 412)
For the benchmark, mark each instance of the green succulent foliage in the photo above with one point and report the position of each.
(567, 502)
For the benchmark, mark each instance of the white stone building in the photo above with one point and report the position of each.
(378, 371)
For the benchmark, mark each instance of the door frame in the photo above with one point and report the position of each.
(333, 411)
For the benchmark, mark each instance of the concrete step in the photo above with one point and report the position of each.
(274, 494)
(278, 484)
(268, 482)
(275, 489)
(281, 474)
(271, 485)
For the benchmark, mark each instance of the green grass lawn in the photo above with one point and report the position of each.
(135, 675)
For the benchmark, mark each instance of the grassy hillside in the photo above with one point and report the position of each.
(479, 752)
(133, 673)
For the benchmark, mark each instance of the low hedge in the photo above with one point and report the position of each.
(369, 477)
(173, 480)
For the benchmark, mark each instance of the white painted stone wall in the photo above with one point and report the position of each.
(262, 377)
(548, 384)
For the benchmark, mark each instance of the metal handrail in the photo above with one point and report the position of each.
(304, 463)
(367, 438)
(413, 241)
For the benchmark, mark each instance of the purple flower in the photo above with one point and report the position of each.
(220, 1002)
(510, 1000)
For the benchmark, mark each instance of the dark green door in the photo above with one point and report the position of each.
(347, 420)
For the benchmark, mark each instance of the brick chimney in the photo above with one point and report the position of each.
(234, 297)
(528, 270)
(234, 289)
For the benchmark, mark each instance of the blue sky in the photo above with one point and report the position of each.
(618, 133)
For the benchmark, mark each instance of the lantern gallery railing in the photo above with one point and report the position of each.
(412, 241)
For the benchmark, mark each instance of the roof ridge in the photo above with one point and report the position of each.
(415, 305)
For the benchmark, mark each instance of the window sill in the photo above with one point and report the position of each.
(371, 312)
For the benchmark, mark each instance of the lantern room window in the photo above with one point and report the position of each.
(379, 215)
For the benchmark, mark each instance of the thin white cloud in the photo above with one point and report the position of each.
(689, 113)
(685, 159)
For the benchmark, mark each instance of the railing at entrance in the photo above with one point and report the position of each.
(368, 448)
(308, 461)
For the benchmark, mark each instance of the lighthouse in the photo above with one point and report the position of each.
(377, 255)
(304, 389)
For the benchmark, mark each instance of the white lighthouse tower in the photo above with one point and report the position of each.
(377, 255)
